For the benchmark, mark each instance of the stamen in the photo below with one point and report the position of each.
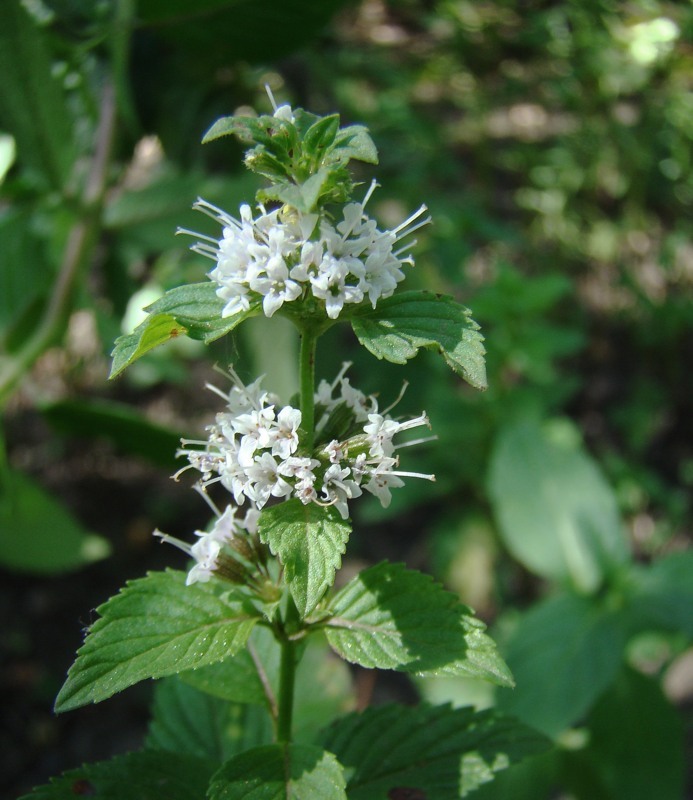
(187, 232)
(410, 475)
(416, 227)
(217, 391)
(271, 97)
(413, 442)
(342, 372)
(181, 545)
(215, 213)
(203, 494)
(374, 185)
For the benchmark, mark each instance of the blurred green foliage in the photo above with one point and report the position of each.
(552, 143)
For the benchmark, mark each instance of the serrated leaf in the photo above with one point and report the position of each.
(39, 535)
(309, 541)
(197, 307)
(557, 514)
(156, 626)
(390, 617)
(280, 772)
(320, 137)
(148, 775)
(323, 687)
(564, 653)
(403, 324)
(440, 751)
(234, 679)
(355, 142)
(248, 129)
(193, 310)
(189, 721)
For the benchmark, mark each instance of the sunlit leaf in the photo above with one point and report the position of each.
(280, 772)
(310, 542)
(393, 618)
(156, 626)
(193, 310)
(403, 324)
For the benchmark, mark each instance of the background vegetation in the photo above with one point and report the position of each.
(552, 143)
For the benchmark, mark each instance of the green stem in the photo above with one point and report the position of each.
(307, 383)
(287, 671)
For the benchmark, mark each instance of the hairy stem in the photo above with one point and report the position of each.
(287, 672)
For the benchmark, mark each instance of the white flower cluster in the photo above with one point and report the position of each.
(254, 451)
(283, 256)
(254, 448)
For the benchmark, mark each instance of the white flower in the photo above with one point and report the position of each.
(338, 487)
(285, 433)
(256, 452)
(206, 553)
(281, 257)
(264, 480)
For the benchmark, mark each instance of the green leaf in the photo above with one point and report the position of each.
(148, 775)
(564, 653)
(156, 626)
(662, 593)
(394, 618)
(636, 744)
(304, 196)
(21, 299)
(535, 778)
(556, 513)
(155, 330)
(193, 310)
(127, 429)
(319, 138)
(403, 324)
(38, 534)
(280, 772)
(186, 720)
(32, 102)
(323, 683)
(309, 541)
(234, 679)
(250, 130)
(437, 751)
(355, 142)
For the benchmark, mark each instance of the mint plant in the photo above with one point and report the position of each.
(235, 626)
